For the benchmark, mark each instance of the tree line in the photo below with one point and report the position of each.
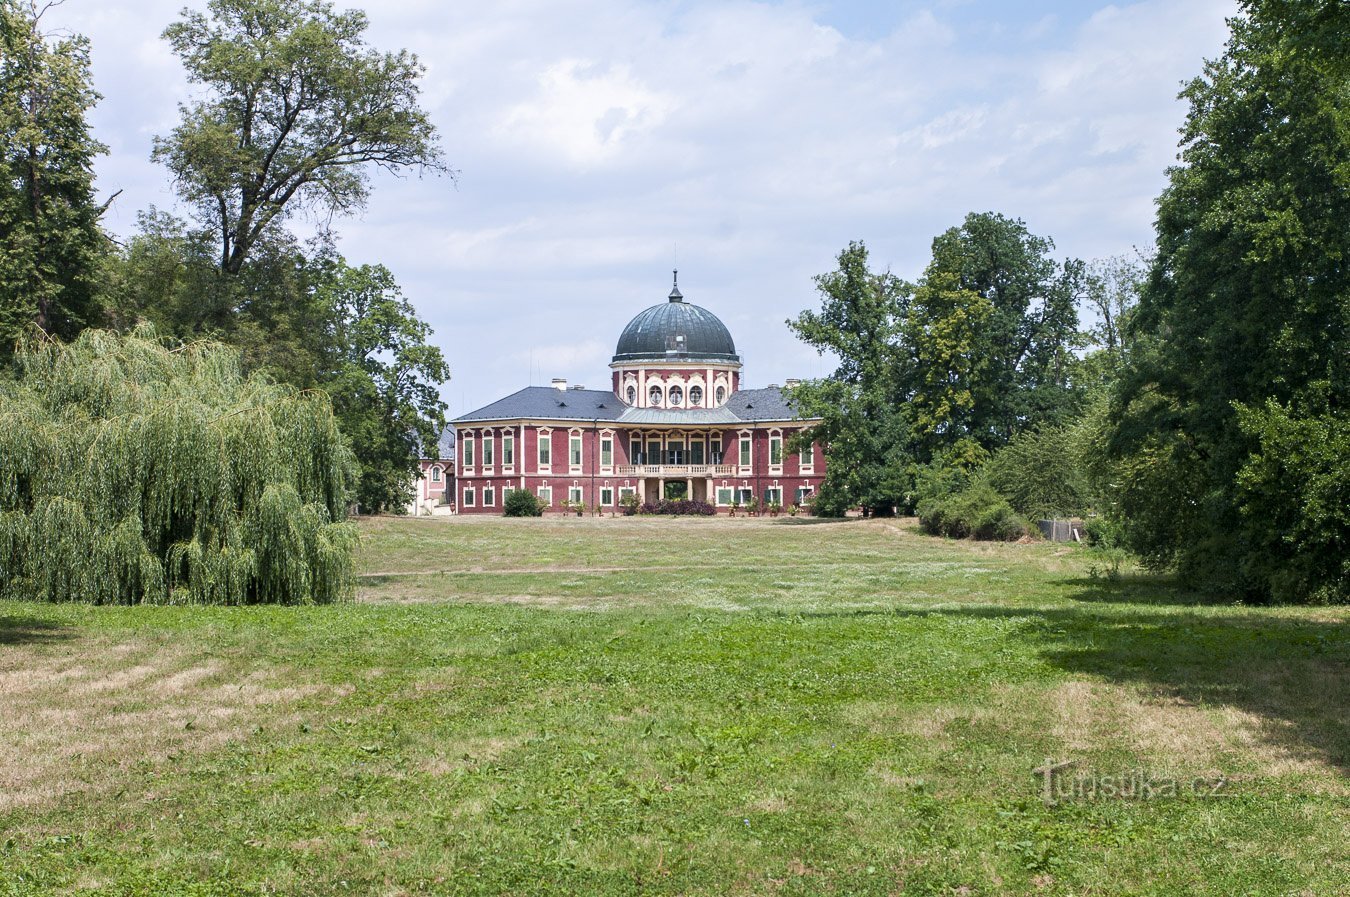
(294, 110)
(1203, 418)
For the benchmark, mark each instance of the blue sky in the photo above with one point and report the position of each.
(593, 138)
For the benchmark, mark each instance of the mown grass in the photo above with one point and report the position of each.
(678, 707)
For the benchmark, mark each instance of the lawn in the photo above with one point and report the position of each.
(671, 706)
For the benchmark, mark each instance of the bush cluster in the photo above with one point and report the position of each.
(679, 507)
(521, 503)
(976, 512)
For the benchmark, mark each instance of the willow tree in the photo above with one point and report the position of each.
(131, 472)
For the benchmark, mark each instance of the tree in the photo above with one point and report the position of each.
(1112, 288)
(992, 331)
(861, 428)
(299, 108)
(134, 472)
(384, 378)
(51, 244)
(1242, 336)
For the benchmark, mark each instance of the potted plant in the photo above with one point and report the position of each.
(793, 509)
(735, 506)
(774, 508)
(752, 507)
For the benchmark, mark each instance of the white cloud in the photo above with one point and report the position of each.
(593, 137)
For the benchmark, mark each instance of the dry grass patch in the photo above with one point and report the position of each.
(78, 716)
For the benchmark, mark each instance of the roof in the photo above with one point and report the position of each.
(676, 331)
(549, 403)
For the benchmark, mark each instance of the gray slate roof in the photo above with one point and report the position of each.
(548, 403)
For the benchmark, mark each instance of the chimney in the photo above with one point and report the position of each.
(559, 383)
(792, 383)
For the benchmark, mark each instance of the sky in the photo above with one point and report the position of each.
(599, 144)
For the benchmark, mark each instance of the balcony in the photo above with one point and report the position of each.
(674, 470)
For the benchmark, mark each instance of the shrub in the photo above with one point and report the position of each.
(1038, 473)
(975, 512)
(629, 504)
(679, 507)
(521, 503)
(134, 473)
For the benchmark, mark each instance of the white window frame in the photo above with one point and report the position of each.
(469, 496)
(435, 473)
(745, 451)
(574, 494)
(606, 448)
(489, 440)
(659, 393)
(606, 496)
(725, 500)
(489, 495)
(627, 490)
(466, 452)
(509, 451)
(806, 458)
(576, 448)
(543, 445)
(544, 494)
(776, 441)
(696, 401)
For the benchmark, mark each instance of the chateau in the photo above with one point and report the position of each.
(675, 423)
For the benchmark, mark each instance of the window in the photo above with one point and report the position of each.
(545, 449)
(574, 494)
(773, 494)
(545, 494)
(724, 495)
(743, 495)
(607, 452)
(634, 452)
(717, 450)
(489, 496)
(468, 496)
(606, 495)
(808, 456)
(509, 449)
(654, 452)
(654, 397)
(626, 491)
(574, 454)
(676, 396)
(632, 394)
(435, 474)
(466, 451)
(696, 451)
(776, 451)
(745, 451)
(696, 396)
(489, 443)
(721, 394)
(675, 452)
(803, 493)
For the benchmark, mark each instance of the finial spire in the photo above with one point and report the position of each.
(675, 294)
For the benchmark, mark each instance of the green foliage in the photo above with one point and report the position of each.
(133, 473)
(521, 503)
(1295, 495)
(1038, 473)
(1248, 302)
(976, 511)
(297, 107)
(51, 244)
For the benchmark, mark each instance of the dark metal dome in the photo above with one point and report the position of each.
(676, 331)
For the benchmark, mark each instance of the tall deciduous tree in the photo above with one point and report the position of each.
(298, 110)
(861, 424)
(51, 244)
(384, 377)
(1242, 345)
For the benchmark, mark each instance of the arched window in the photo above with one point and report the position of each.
(654, 397)
(721, 394)
(696, 396)
(632, 394)
(676, 396)
(435, 474)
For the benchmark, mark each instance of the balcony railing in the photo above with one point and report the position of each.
(674, 470)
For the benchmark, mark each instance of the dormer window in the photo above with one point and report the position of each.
(676, 396)
(632, 394)
(696, 396)
(721, 394)
(654, 397)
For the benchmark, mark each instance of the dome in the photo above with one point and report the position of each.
(676, 331)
